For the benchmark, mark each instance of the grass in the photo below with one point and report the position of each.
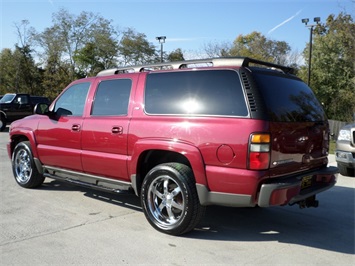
(332, 147)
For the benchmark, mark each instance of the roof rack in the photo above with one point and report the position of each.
(217, 62)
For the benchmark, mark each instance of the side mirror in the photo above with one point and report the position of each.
(41, 109)
(63, 112)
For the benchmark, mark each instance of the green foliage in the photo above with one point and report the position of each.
(134, 49)
(176, 55)
(76, 46)
(332, 68)
(18, 72)
(257, 46)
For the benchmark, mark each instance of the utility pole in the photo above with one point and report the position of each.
(305, 21)
(161, 40)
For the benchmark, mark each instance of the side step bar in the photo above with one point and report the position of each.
(88, 181)
(88, 185)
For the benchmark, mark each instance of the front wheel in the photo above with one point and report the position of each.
(169, 199)
(2, 122)
(24, 168)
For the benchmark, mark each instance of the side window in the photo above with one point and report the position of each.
(204, 92)
(112, 97)
(21, 100)
(72, 101)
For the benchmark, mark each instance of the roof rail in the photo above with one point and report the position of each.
(221, 61)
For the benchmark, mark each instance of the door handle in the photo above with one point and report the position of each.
(117, 130)
(75, 127)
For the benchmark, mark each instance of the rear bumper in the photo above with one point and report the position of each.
(297, 188)
(276, 192)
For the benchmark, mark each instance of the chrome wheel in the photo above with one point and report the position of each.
(169, 199)
(22, 166)
(165, 201)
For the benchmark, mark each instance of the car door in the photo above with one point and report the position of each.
(59, 134)
(20, 107)
(104, 134)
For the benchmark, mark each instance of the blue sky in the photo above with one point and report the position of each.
(188, 25)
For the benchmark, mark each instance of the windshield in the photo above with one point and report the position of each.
(7, 98)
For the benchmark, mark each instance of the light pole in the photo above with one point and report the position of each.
(305, 21)
(161, 40)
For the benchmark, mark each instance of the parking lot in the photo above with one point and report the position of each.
(62, 224)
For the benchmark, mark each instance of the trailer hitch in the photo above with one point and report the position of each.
(308, 202)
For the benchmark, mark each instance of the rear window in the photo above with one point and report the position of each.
(289, 100)
(203, 92)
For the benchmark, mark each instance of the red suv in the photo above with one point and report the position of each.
(181, 136)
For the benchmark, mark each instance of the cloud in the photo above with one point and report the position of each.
(284, 22)
(185, 39)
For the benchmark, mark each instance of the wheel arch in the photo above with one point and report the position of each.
(2, 113)
(148, 154)
(23, 136)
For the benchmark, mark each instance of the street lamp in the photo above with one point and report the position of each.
(305, 21)
(161, 40)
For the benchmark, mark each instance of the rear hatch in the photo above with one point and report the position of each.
(298, 125)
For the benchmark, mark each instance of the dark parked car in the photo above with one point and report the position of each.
(14, 106)
(181, 136)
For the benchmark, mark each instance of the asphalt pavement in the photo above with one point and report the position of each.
(60, 224)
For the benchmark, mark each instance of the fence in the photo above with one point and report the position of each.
(334, 127)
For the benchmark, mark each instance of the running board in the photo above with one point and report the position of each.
(88, 181)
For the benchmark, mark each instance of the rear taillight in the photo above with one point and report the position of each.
(259, 151)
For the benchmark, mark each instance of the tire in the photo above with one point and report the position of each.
(2, 123)
(169, 199)
(345, 171)
(24, 168)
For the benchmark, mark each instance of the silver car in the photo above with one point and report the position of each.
(345, 150)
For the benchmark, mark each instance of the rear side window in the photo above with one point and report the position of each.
(112, 97)
(206, 92)
(289, 100)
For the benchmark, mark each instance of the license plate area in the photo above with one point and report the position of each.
(306, 181)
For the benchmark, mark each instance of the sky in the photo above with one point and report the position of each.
(188, 25)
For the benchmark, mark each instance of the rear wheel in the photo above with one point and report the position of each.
(169, 199)
(24, 168)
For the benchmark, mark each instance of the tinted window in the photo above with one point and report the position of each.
(21, 99)
(112, 97)
(208, 92)
(36, 99)
(289, 100)
(72, 101)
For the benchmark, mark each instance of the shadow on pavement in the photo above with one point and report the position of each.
(329, 227)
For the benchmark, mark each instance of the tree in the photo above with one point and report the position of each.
(18, 71)
(100, 52)
(333, 62)
(73, 39)
(214, 49)
(75, 46)
(259, 47)
(176, 55)
(135, 49)
(7, 71)
(51, 51)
